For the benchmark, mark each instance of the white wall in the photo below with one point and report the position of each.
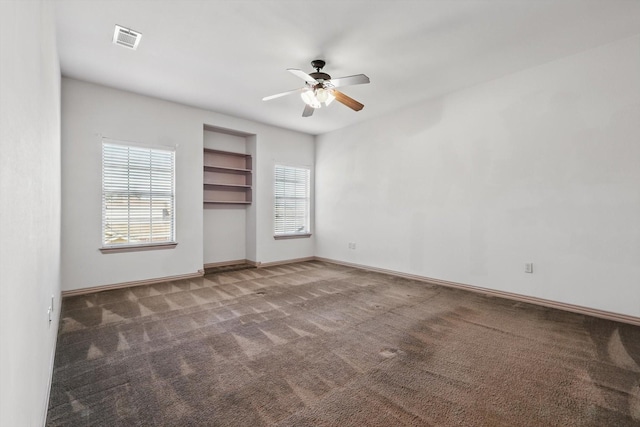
(273, 147)
(29, 209)
(540, 166)
(90, 111)
(224, 225)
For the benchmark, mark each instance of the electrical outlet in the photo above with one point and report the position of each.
(528, 267)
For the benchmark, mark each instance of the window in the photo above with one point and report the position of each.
(137, 196)
(292, 201)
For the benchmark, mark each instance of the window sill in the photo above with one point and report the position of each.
(292, 236)
(135, 248)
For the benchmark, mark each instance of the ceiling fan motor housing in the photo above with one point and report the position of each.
(319, 64)
(320, 76)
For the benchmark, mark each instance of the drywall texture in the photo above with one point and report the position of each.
(224, 225)
(541, 167)
(29, 209)
(90, 112)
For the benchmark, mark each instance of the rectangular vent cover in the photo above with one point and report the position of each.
(126, 37)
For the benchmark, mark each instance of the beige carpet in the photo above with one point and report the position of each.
(320, 344)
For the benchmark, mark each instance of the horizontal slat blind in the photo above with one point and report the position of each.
(292, 196)
(137, 195)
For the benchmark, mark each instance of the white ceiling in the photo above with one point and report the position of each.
(225, 56)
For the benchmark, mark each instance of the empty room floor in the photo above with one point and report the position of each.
(316, 343)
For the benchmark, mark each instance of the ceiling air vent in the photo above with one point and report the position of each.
(126, 37)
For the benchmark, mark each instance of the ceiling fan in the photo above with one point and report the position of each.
(320, 89)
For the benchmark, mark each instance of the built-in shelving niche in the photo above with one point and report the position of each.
(229, 189)
(227, 177)
(227, 168)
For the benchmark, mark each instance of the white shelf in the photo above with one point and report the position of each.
(227, 177)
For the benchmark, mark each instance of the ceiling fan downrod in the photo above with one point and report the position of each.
(318, 64)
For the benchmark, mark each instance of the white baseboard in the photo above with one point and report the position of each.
(288, 261)
(57, 310)
(234, 262)
(624, 318)
(226, 263)
(83, 291)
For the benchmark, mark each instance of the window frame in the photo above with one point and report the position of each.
(130, 247)
(309, 202)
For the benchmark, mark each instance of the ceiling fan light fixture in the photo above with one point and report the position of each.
(309, 98)
(322, 94)
(325, 96)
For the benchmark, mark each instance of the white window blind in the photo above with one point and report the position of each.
(292, 197)
(137, 195)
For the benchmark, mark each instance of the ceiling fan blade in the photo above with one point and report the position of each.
(278, 95)
(308, 111)
(304, 76)
(358, 79)
(349, 102)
